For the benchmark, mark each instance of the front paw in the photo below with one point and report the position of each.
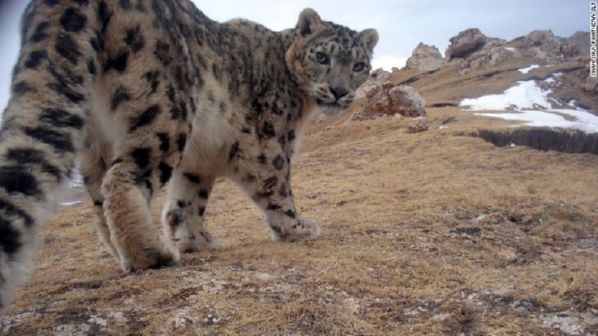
(150, 257)
(187, 241)
(302, 229)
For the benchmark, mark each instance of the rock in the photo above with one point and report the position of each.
(408, 100)
(389, 99)
(493, 42)
(418, 125)
(425, 57)
(539, 37)
(465, 43)
(313, 195)
(377, 78)
(591, 84)
(490, 219)
(581, 41)
(545, 45)
(487, 58)
(466, 230)
(380, 75)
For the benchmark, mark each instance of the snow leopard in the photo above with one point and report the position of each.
(145, 93)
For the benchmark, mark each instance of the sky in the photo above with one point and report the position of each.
(401, 24)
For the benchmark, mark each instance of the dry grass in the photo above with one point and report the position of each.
(423, 234)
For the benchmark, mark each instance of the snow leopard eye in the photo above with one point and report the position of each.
(322, 58)
(359, 66)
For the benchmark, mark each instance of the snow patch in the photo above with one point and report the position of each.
(528, 69)
(70, 203)
(549, 80)
(527, 102)
(524, 95)
(511, 49)
(536, 118)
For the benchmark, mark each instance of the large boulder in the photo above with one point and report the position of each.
(376, 78)
(392, 100)
(425, 57)
(465, 43)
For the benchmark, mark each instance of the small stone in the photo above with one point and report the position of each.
(418, 125)
(313, 195)
(466, 230)
(211, 319)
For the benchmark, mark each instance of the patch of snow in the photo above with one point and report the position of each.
(511, 49)
(557, 74)
(529, 103)
(537, 118)
(524, 95)
(554, 101)
(528, 69)
(550, 80)
(582, 116)
(571, 103)
(70, 203)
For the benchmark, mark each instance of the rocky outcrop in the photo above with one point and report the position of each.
(392, 100)
(474, 51)
(377, 78)
(581, 41)
(425, 57)
(465, 43)
(487, 58)
(543, 44)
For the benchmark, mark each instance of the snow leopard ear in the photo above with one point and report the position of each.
(308, 21)
(369, 38)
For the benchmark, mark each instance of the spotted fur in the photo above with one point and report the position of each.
(144, 92)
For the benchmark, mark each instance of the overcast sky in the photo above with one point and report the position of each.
(402, 24)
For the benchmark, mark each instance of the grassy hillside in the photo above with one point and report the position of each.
(427, 233)
(448, 86)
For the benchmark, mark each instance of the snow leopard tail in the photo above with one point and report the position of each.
(43, 125)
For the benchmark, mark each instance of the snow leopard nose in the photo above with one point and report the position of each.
(338, 92)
